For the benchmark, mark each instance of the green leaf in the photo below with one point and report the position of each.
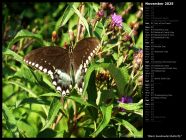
(91, 89)
(27, 130)
(139, 43)
(50, 94)
(47, 133)
(34, 77)
(24, 73)
(131, 18)
(24, 33)
(68, 13)
(84, 21)
(7, 93)
(13, 54)
(88, 75)
(106, 112)
(118, 75)
(65, 39)
(110, 132)
(106, 95)
(128, 30)
(32, 100)
(73, 23)
(109, 47)
(11, 122)
(21, 86)
(59, 9)
(99, 30)
(81, 101)
(62, 126)
(119, 61)
(28, 75)
(115, 72)
(125, 73)
(131, 106)
(93, 111)
(53, 111)
(130, 127)
(95, 6)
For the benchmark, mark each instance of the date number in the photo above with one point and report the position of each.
(169, 3)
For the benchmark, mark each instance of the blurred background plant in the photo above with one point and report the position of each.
(112, 104)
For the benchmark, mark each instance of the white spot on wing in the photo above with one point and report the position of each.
(70, 86)
(84, 65)
(63, 93)
(66, 79)
(33, 64)
(89, 58)
(80, 90)
(53, 67)
(59, 88)
(52, 76)
(78, 75)
(76, 86)
(58, 71)
(40, 67)
(67, 91)
(81, 66)
(54, 83)
(37, 65)
(91, 54)
(50, 72)
(44, 70)
(87, 62)
(29, 62)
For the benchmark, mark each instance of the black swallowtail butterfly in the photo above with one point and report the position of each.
(66, 67)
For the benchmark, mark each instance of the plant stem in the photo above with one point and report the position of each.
(80, 25)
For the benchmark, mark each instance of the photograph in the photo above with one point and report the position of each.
(72, 70)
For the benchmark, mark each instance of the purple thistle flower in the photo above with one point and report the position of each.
(116, 20)
(125, 99)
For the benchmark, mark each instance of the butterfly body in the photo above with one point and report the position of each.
(65, 67)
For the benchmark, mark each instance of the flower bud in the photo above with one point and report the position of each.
(139, 81)
(111, 7)
(125, 12)
(34, 30)
(126, 37)
(139, 14)
(65, 45)
(54, 36)
(104, 5)
(100, 13)
(71, 35)
(135, 33)
(14, 48)
(136, 26)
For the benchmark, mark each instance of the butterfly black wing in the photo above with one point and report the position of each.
(82, 54)
(55, 57)
(54, 61)
(57, 62)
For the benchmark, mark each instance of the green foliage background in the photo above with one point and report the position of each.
(32, 107)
